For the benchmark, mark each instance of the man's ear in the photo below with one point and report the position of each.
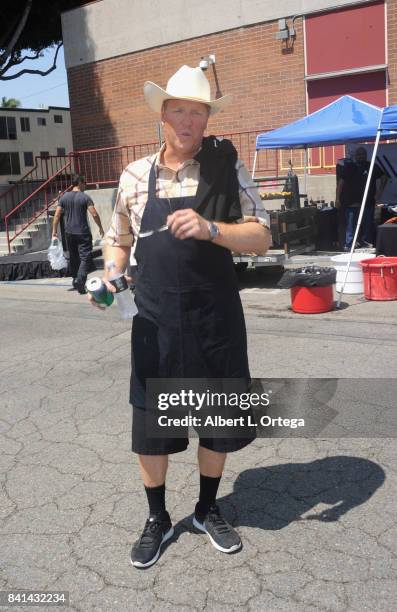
(163, 106)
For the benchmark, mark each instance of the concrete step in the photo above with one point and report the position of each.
(23, 236)
(34, 237)
(21, 224)
(42, 220)
(18, 239)
(15, 250)
(18, 243)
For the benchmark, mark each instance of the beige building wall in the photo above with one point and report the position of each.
(40, 138)
(110, 28)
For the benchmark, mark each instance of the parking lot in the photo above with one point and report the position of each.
(316, 514)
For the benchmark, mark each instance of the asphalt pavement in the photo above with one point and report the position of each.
(316, 514)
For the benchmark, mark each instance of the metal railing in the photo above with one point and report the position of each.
(245, 143)
(104, 166)
(44, 168)
(37, 203)
(35, 192)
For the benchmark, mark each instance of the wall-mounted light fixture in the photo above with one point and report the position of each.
(205, 62)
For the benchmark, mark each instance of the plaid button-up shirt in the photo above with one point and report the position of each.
(132, 195)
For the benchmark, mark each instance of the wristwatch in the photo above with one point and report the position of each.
(213, 230)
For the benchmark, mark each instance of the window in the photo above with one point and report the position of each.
(12, 128)
(44, 154)
(25, 124)
(61, 151)
(9, 164)
(41, 121)
(8, 128)
(28, 158)
(58, 119)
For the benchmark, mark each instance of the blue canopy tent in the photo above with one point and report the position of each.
(344, 120)
(388, 122)
(347, 119)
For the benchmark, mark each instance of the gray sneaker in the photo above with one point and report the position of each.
(222, 535)
(146, 550)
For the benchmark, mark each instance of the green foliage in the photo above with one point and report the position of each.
(9, 102)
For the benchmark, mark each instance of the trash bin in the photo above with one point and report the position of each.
(311, 289)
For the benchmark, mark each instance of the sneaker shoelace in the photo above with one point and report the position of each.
(149, 530)
(220, 525)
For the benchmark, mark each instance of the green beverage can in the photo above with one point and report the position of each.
(97, 288)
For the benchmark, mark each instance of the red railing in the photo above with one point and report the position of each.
(104, 166)
(33, 195)
(37, 203)
(245, 143)
(44, 168)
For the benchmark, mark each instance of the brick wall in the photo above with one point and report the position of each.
(108, 107)
(392, 49)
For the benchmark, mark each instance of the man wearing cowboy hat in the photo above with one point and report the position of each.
(184, 211)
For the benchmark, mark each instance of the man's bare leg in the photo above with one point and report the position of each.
(153, 469)
(211, 463)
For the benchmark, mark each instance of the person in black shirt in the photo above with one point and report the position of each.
(351, 176)
(74, 205)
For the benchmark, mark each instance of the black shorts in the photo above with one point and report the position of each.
(143, 445)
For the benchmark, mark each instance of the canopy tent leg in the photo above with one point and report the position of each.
(305, 172)
(254, 166)
(360, 216)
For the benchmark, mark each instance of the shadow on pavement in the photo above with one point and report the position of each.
(272, 497)
(266, 277)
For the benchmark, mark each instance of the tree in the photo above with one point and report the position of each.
(9, 102)
(27, 28)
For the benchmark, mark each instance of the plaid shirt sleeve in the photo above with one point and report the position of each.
(251, 203)
(120, 232)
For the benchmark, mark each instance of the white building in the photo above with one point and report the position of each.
(26, 133)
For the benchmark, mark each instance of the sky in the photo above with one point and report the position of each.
(34, 90)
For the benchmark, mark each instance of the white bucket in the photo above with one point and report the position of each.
(355, 279)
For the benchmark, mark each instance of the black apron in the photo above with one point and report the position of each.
(190, 321)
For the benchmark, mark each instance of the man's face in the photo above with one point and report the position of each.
(184, 125)
(360, 155)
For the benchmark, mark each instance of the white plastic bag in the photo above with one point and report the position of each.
(55, 255)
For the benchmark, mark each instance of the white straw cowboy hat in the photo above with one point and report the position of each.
(186, 84)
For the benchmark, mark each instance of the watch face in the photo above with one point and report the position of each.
(214, 229)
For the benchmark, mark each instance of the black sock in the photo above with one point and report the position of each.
(208, 490)
(156, 499)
